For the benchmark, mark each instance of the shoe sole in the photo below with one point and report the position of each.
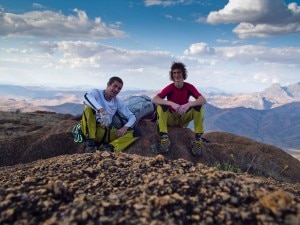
(155, 149)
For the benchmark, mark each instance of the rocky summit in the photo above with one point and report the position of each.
(108, 188)
(47, 178)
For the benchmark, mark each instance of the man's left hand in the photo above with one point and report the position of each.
(121, 132)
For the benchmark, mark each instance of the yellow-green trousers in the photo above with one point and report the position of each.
(173, 119)
(92, 130)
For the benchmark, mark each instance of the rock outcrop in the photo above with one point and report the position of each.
(43, 135)
(47, 178)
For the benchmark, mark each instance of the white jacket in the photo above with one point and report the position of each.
(96, 100)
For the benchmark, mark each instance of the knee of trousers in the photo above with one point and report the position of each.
(197, 108)
(89, 111)
(164, 108)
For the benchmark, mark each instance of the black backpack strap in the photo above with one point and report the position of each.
(121, 118)
(104, 136)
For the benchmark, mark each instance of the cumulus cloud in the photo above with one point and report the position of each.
(55, 25)
(199, 49)
(259, 18)
(246, 54)
(248, 30)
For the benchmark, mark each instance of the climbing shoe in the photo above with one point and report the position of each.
(90, 146)
(196, 147)
(164, 143)
(107, 147)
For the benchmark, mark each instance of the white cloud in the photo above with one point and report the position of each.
(79, 54)
(295, 9)
(267, 78)
(56, 25)
(199, 49)
(248, 54)
(245, 54)
(262, 77)
(136, 70)
(165, 2)
(234, 42)
(248, 30)
(18, 51)
(173, 18)
(259, 18)
(37, 5)
(158, 2)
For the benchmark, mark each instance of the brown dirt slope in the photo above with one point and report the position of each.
(26, 137)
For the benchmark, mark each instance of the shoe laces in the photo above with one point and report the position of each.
(164, 139)
(198, 143)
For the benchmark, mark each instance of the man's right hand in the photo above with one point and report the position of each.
(105, 120)
(175, 106)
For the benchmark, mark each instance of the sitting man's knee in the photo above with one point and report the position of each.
(163, 107)
(88, 109)
(197, 108)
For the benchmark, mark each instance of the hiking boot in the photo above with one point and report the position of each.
(108, 148)
(196, 147)
(90, 146)
(164, 144)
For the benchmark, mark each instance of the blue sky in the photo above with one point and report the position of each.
(237, 46)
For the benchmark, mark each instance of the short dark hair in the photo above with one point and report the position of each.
(113, 79)
(180, 66)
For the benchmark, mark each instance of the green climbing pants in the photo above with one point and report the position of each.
(92, 130)
(173, 119)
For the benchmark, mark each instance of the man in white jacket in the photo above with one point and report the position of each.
(101, 106)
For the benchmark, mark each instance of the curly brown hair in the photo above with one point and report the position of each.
(180, 66)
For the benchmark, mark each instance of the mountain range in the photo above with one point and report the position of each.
(273, 96)
(271, 116)
(279, 126)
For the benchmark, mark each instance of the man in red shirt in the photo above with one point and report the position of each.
(177, 109)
